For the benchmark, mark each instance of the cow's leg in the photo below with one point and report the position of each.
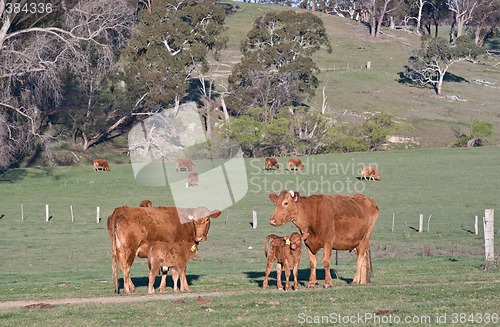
(184, 282)
(287, 277)
(278, 276)
(269, 267)
(175, 278)
(163, 283)
(153, 269)
(312, 275)
(296, 276)
(361, 266)
(126, 258)
(327, 255)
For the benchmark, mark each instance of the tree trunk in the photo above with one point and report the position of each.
(439, 86)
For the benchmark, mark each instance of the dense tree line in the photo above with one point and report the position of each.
(84, 71)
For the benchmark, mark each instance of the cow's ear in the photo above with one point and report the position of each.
(296, 196)
(215, 213)
(273, 197)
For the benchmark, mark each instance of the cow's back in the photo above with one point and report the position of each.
(134, 226)
(341, 219)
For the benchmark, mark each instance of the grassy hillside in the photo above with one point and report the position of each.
(354, 92)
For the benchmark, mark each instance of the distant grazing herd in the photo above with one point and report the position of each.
(169, 236)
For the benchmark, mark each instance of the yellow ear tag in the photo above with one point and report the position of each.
(287, 242)
(193, 248)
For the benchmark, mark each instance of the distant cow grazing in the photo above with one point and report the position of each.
(338, 222)
(370, 172)
(192, 180)
(101, 163)
(295, 163)
(173, 256)
(132, 230)
(286, 251)
(184, 162)
(271, 162)
(146, 204)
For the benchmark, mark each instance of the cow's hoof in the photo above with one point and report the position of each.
(327, 286)
(163, 290)
(311, 285)
(280, 288)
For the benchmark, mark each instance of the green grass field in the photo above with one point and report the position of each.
(416, 275)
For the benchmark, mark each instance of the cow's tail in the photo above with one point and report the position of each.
(114, 253)
(269, 237)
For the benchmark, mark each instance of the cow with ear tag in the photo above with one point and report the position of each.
(332, 222)
(132, 230)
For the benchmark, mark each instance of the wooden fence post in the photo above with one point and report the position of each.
(421, 223)
(254, 219)
(46, 212)
(489, 236)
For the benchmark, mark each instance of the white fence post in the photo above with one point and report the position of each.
(46, 212)
(72, 217)
(421, 223)
(489, 236)
(98, 214)
(254, 219)
(22, 212)
(476, 226)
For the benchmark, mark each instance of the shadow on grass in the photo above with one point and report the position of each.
(144, 281)
(16, 174)
(257, 277)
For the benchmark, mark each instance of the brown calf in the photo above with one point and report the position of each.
(371, 172)
(184, 162)
(286, 251)
(168, 255)
(101, 163)
(271, 162)
(295, 163)
(192, 180)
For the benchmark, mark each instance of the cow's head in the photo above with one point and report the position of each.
(285, 207)
(294, 241)
(201, 218)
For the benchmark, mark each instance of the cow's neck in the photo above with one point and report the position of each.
(303, 219)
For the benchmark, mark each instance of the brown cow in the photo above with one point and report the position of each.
(192, 180)
(271, 162)
(285, 251)
(339, 222)
(101, 163)
(175, 256)
(131, 230)
(295, 163)
(371, 172)
(184, 162)
(146, 204)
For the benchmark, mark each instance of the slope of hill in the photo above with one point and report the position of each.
(354, 92)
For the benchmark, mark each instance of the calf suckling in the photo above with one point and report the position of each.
(170, 256)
